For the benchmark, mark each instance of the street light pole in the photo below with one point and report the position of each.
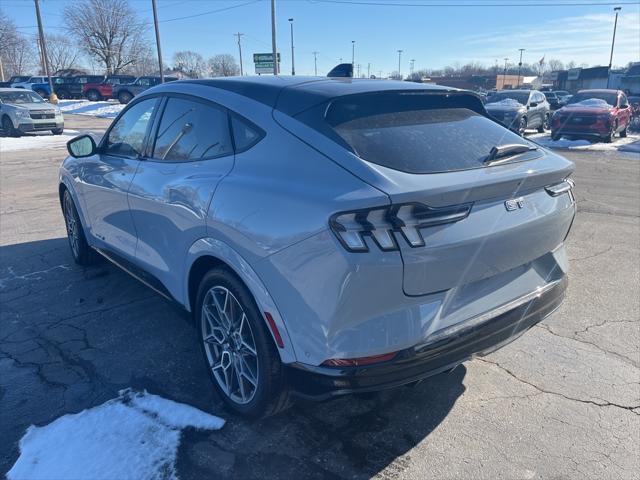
(353, 54)
(504, 74)
(520, 65)
(399, 57)
(293, 63)
(369, 70)
(240, 51)
(315, 63)
(155, 25)
(613, 42)
(274, 49)
(45, 61)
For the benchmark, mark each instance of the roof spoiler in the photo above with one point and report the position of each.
(342, 70)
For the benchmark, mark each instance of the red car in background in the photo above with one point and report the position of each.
(104, 90)
(593, 113)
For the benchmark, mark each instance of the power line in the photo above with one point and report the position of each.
(440, 5)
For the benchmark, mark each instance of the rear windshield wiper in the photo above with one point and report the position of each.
(501, 153)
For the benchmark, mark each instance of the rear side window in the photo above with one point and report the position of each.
(191, 130)
(417, 135)
(245, 135)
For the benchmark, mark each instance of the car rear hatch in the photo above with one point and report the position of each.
(457, 215)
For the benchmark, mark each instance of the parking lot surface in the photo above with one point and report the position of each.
(563, 401)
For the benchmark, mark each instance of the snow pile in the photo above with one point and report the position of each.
(32, 142)
(629, 144)
(591, 102)
(93, 109)
(134, 436)
(507, 102)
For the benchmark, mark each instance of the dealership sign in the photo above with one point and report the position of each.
(263, 62)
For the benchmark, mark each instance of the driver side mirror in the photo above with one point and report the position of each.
(82, 146)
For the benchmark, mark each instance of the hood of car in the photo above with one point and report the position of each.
(36, 106)
(585, 109)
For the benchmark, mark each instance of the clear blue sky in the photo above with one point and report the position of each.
(434, 36)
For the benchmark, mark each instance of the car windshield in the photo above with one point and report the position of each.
(509, 97)
(18, 98)
(594, 98)
(417, 135)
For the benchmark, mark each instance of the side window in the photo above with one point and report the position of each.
(623, 101)
(126, 138)
(190, 130)
(244, 135)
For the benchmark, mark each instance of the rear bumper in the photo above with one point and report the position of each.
(475, 338)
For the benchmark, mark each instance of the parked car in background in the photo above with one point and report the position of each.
(125, 93)
(43, 89)
(563, 95)
(553, 100)
(520, 109)
(104, 90)
(329, 236)
(30, 81)
(71, 86)
(634, 101)
(13, 80)
(24, 111)
(593, 114)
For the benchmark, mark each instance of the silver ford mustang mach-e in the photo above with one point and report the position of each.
(330, 236)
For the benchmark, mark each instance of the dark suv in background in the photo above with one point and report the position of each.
(520, 109)
(71, 87)
(125, 93)
(104, 90)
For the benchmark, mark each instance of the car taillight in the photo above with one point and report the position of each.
(382, 224)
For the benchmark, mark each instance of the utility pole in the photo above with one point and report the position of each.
(240, 51)
(369, 70)
(399, 57)
(358, 76)
(413, 62)
(379, 73)
(353, 54)
(520, 66)
(315, 63)
(155, 25)
(1, 71)
(45, 61)
(293, 63)
(504, 74)
(274, 49)
(613, 42)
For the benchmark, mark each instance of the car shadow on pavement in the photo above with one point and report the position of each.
(72, 337)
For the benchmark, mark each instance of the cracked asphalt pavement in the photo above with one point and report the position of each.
(563, 401)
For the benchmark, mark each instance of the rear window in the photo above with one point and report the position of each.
(419, 134)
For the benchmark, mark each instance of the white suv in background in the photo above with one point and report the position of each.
(24, 111)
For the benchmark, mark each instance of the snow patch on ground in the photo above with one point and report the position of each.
(134, 436)
(106, 109)
(629, 144)
(37, 141)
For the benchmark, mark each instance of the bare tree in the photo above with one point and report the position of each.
(108, 30)
(555, 65)
(223, 65)
(62, 52)
(192, 64)
(17, 53)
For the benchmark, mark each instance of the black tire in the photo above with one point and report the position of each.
(82, 253)
(522, 126)
(124, 97)
(609, 137)
(555, 137)
(545, 124)
(62, 94)
(93, 96)
(7, 128)
(270, 394)
(57, 131)
(42, 93)
(623, 133)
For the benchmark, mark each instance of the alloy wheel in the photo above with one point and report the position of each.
(72, 226)
(230, 345)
